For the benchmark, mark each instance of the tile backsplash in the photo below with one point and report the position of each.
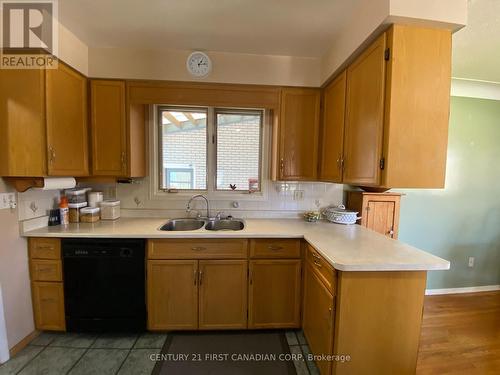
(280, 200)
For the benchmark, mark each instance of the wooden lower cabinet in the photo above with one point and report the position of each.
(48, 305)
(172, 294)
(223, 294)
(274, 293)
(318, 317)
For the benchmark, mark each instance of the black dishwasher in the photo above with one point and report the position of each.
(104, 282)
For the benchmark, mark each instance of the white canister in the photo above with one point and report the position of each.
(95, 198)
(110, 210)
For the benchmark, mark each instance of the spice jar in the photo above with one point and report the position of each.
(74, 211)
(89, 214)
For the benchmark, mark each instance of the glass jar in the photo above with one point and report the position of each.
(89, 214)
(110, 210)
(74, 211)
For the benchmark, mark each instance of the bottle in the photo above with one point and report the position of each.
(64, 210)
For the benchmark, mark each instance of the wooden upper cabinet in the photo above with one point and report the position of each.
(67, 132)
(332, 155)
(223, 294)
(417, 107)
(22, 123)
(108, 128)
(298, 134)
(365, 116)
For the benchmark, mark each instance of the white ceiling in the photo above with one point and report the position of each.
(275, 27)
(476, 48)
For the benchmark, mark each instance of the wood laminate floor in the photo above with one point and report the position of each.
(460, 334)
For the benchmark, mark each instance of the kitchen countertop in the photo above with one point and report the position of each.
(345, 247)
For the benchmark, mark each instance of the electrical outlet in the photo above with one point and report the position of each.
(8, 200)
(298, 195)
(471, 262)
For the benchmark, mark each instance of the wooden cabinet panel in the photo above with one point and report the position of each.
(67, 138)
(172, 294)
(274, 294)
(44, 248)
(417, 107)
(298, 134)
(223, 294)
(22, 123)
(108, 128)
(365, 116)
(48, 306)
(380, 216)
(198, 249)
(333, 129)
(45, 270)
(275, 248)
(318, 317)
(323, 269)
(379, 211)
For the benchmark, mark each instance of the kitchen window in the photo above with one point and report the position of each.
(207, 149)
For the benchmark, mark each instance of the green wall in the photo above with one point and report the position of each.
(463, 219)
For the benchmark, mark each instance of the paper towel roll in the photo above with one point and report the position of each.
(57, 183)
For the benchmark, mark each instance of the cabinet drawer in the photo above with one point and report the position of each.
(322, 268)
(45, 270)
(45, 248)
(275, 248)
(198, 249)
(48, 306)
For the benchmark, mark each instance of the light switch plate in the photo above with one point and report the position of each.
(8, 200)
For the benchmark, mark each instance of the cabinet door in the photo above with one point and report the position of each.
(22, 123)
(48, 306)
(223, 294)
(318, 318)
(172, 294)
(333, 130)
(381, 217)
(299, 128)
(274, 294)
(365, 116)
(67, 138)
(108, 127)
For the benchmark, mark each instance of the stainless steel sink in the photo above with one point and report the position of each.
(183, 224)
(225, 224)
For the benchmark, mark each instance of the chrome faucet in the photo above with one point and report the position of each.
(188, 207)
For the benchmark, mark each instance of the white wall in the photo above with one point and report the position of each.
(14, 276)
(168, 64)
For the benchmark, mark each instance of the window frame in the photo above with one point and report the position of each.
(156, 159)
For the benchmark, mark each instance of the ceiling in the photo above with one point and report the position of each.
(278, 27)
(476, 48)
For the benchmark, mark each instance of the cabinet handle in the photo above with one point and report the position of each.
(282, 166)
(391, 232)
(123, 159)
(48, 300)
(250, 275)
(201, 277)
(275, 247)
(198, 248)
(316, 256)
(45, 247)
(44, 270)
(195, 277)
(52, 155)
(318, 264)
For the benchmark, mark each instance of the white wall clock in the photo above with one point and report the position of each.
(199, 64)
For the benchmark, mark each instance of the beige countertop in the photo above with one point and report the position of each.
(346, 247)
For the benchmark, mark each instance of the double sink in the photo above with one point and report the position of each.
(175, 225)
